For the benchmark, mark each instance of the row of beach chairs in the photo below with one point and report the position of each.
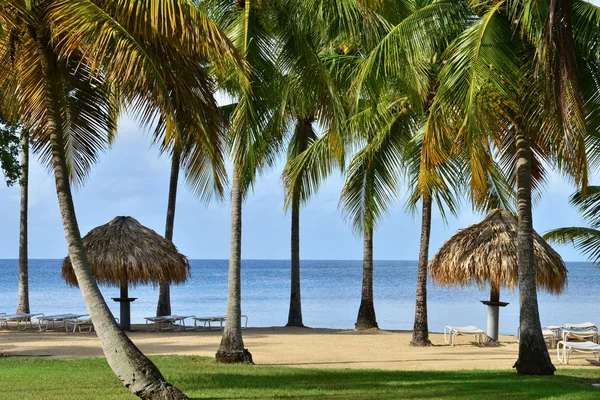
(567, 338)
(82, 322)
(45, 322)
(177, 322)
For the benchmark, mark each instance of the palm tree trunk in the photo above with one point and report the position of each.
(232, 348)
(23, 293)
(137, 372)
(295, 312)
(421, 328)
(366, 312)
(164, 296)
(533, 354)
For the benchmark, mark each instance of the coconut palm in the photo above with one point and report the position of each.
(254, 136)
(409, 53)
(310, 98)
(66, 67)
(496, 105)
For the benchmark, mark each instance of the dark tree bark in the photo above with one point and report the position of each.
(533, 354)
(366, 313)
(232, 348)
(295, 311)
(135, 370)
(164, 295)
(23, 293)
(421, 328)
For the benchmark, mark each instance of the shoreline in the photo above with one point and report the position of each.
(293, 347)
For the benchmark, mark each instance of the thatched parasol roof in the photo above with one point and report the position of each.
(486, 253)
(124, 249)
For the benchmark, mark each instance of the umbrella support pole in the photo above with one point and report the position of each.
(493, 320)
(125, 307)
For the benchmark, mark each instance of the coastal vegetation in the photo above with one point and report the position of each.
(455, 100)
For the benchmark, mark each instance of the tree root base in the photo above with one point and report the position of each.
(234, 357)
(420, 343)
(166, 392)
(366, 327)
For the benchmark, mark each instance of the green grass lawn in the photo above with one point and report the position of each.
(37, 378)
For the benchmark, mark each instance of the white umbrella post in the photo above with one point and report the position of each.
(493, 320)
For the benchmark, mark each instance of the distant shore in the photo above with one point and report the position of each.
(297, 347)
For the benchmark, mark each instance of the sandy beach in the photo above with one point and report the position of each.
(294, 347)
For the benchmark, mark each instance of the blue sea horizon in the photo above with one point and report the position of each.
(330, 295)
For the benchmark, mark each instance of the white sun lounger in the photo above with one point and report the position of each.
(153, 322)
(209, 320)
(79, 324)
(450, 333)
(50, 320)
(567, 334)
(584, 325)
(581, 347)
(19, 318)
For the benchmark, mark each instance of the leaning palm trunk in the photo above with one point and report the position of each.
(232, 349)
(164, 296)
(366, 312)
(23, 293)
(533, 354)
(137, 372)
(421, 328)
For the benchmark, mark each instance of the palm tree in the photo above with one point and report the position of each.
(370, 187)
(254, 137)
(495, 104)
(409, 52)
(67, 67)
(310, 97)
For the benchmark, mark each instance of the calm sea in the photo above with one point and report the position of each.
(330, 295)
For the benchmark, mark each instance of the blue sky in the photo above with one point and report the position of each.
(131, 179)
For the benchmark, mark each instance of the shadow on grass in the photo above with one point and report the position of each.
(202, 378)
(209, 380)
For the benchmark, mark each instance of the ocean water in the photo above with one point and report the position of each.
(330, 295)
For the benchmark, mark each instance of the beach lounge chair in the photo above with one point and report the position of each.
(567, 334)
(450, 333)
(580, 347)
(584, 325)
(21, 319)
(550, 333)
(209, 320)
(153, 322)
(47, 321)
(79, 324)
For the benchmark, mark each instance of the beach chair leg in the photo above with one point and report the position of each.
(558, 353)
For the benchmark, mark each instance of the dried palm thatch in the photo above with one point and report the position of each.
(126, 251)
(486, 254)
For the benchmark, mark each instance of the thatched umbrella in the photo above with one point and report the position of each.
(123, 253)
(486, 254)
